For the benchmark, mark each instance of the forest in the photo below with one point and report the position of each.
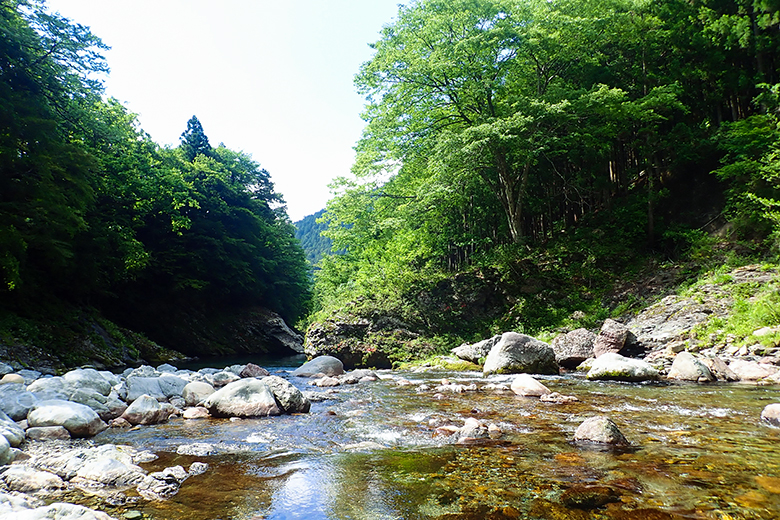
(549, 151)
(96, 219)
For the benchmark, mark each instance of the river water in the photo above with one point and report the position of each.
(370, 451)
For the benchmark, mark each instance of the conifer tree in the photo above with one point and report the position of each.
(194, 141)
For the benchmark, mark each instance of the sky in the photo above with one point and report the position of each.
(271, 78)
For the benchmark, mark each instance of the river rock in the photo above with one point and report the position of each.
(196, 391)
(48, 433)
(600, 430)
(78, 419)
(611, 366)
(50, 388)
(12, 378)
(106, 406)
(474, 353)
(471, 430)
(16, 401)
(196, 449)
(6, 455)
(719, 368)
(771, 414)
(611, 338)
(581, 496)
(25, 479)
(222, 378)
(67, 462)
(136, 386)
(327, 365)
(573, 348)
(686, 367)
(87, 378)
(527, 386)
(243, 398)
(252, 370)
(108, 471)
(171, 385)
(163, 484)
(750, 370)
(519, 353)
(147, 410)
(12, 432)
(23, 508)
(289, 398)
(195, 412)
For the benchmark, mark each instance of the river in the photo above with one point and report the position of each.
(370, 451)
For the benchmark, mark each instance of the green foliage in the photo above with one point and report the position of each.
(308, 231)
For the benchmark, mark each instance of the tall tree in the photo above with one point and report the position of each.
(194, 141)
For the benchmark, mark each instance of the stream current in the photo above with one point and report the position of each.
(369, 451)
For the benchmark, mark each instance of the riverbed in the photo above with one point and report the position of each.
(373, 451)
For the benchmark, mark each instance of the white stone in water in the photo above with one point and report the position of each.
(527, 386)
(771, 414)
(196, 449)
(600, 430)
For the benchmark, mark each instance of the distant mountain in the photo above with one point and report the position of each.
(307, 230)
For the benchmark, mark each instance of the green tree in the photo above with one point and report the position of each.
(194, 141)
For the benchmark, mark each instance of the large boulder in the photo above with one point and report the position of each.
(573, 348)
(751, 370)
(147, 410)
(196, 391)
(243, 398)
(615, 367)
(611, 338)
(686, 367)
(80, 420)
(106, 406)
(600, 430)
(290, 399)
(328, 365)
(475, 352)
(87, 378)
(136, 386)
(16, 401)
(518, 353)
(29, 480)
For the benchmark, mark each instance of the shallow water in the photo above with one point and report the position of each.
(698, 452)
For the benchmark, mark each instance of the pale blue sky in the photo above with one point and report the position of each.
(271, 78)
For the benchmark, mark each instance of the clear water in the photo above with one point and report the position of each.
(698, 452)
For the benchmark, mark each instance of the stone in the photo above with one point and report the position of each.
(289, 398)
(687, 367)
(611, 366)
(147, 410)
(78, 419)
(107, 471)
(243, 398)
(12, 432)
(87, 378)
(94, 466)
(106, 406)
(167, 368)
(519, 353)
(16, 401)
(18, 508)
(600, 430)
(196, 449)
(25, 479)
(472, 429)
(6, 455)
(136, 386)
(220, 379)
(326, 381)
(196, 412)
(171, 386)
(771, 414)
(526, 386)
(581, 496)
(751, 370)
(196, 391)
(474, 353)
(12, 378)
(252, 370)
(573, 348)
(5, 369)
(611, 338)
(326, 365)
(48, 433)
(719, 368)
(197, 468)
(163, 484)
(557, 398)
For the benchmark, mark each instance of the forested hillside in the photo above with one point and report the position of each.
(309, 232)
(520, 156)
(98, 220)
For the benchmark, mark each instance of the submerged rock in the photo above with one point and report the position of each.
(582, 496)
(600, 430)
(527, 386)
(162, 484)
(519, 353)
(615, 367)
